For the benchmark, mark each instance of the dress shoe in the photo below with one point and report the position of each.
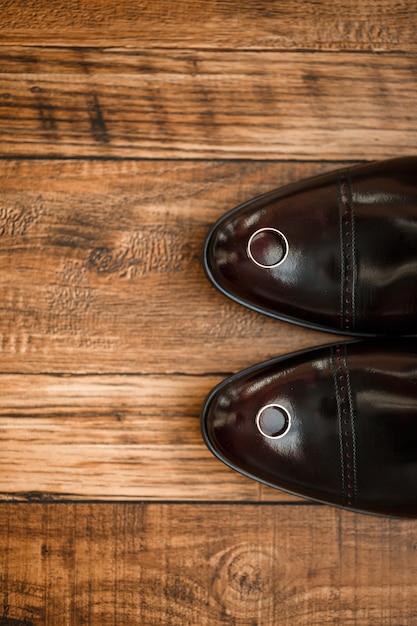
(336, 424)
(336, 252)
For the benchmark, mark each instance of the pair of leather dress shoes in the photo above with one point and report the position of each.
(338, 423)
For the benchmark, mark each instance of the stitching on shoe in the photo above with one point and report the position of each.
(347, 436)
(352, 428)
(353, 248)
(347, 253)
(339, 412)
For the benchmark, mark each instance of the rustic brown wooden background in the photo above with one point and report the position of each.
(127, 127)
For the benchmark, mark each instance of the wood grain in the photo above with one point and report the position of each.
(102, 276)
(206, 104)
(265, 24)
(204, 565)
(101, 268)
(112, 437)
(126, 129)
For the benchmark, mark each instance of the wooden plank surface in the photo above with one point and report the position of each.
(206, 104)
(204, 565)
(264, 24)
(104, 278)
(111, 437)
(126, 129)
(103, 267)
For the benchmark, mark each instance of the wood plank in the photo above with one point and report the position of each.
(112, 437)
(101, 268)
(265, 24)
(204, 564)
(206, 104)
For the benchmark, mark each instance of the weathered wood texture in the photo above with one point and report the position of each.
(206, 104)
(126, 129)
(211, 24)
(102, 267)
(103, 277)
(112, 437)
(204, 565)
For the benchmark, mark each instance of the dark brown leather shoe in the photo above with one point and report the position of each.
(337, 252)
(337, 424)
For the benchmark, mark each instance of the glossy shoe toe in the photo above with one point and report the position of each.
(336, 424)
(336, 252)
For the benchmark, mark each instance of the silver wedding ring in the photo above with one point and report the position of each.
(281, 418)
(283, 241)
